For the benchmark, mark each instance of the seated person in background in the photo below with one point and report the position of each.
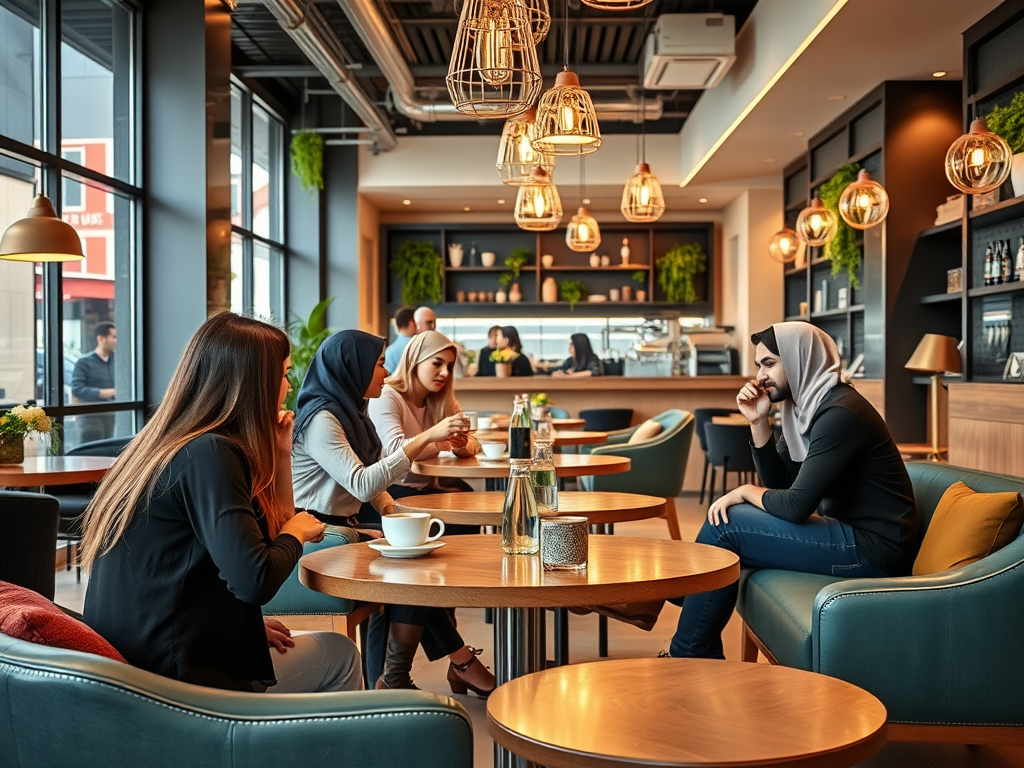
(484, 364)
(581, 361)
(426, 320)
(836, 457)
(340, 471)
(508, 338)
(194, 528)
(405, 327)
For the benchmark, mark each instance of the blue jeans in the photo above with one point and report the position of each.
(820, 545)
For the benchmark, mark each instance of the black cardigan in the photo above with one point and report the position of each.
(180, 592)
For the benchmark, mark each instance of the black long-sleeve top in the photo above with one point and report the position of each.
(853, 473)
(484, 366)
(593, 365)
(180, 592)
(521, 366)
(91, 374)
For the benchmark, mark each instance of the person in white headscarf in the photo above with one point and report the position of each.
(835, 458)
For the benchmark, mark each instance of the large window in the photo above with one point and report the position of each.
(257, 207)
(68, 94)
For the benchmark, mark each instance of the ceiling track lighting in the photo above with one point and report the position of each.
(784, 246)
(979, 161)
(516, 156)
(41, 236)
(816, 224)
(494, 71)
(864, 203)
(538, 204)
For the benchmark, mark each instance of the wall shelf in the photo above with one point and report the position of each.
(588, 268)
(829, 313)
(989, 290)
(998, 213)
(941, 298)
(944, 229)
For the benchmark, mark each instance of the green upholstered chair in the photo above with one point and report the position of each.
(942, 652)
(126, 716)
(558, 413)
(658, 465)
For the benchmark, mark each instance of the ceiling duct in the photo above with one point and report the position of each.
(689, 50)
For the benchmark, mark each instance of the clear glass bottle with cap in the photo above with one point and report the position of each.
(519, 429)
(520, 522)
(545, 483)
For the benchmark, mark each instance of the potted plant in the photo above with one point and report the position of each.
(573, 291)
(16, 423)
(842, 250)
(516, 260)
(502, 359)
(418, 265)
(308, 160)
(1008, 123)
(306, 337)
(676, 270)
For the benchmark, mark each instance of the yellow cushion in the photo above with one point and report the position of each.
(646, 431)
(966, 527)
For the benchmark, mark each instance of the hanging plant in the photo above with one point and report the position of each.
(676, 270)
(516, 260)
(418, 266)
(308, 160)
(573, 291)
(842, 250)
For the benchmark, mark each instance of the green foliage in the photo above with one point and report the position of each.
(505, 280)
(517, 259)
(308, 160)
(573, 291)
(539, 399)
(676, 270)
(306, 338)
(640, 277)
(1008, 122)
(842, 250)
(419, 267)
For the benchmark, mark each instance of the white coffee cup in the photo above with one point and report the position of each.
(473, 420)
(410, 529)
(483, 422)
(493, 450)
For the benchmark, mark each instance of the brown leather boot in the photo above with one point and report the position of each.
(397, 666)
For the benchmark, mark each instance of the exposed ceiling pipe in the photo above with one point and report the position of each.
(373, 29)
(306, 25)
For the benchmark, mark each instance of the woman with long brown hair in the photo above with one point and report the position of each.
(194, 527)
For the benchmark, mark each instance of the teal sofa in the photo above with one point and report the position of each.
(60, 707)
(942, 652)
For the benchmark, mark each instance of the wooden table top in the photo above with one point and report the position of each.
(737, 420)
(566, 465)
(484, 508)
(501, 422)
(54, 470)
(562, 437)
(473, 572)
(685, 712)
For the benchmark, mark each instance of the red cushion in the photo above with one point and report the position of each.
(27, 615)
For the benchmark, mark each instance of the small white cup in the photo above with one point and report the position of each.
(483, 422)
(493, 450)
(410, 529)
(473, 420)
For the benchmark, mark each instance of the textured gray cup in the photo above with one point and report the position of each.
(564, 543)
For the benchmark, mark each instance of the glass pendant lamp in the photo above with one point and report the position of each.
(540, 19)
(516, 156)
(864, 203)
(494, 72)
(41, 236)
(816, 224)
(979, 161)
(783, 246)
(538, 205)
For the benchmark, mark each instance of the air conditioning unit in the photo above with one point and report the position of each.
(689, 51)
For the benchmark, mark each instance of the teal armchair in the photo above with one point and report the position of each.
(126, 716)
(942, 652)
(658, 465)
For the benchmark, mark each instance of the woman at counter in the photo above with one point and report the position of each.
(508, 338)
(484, 364)
(581, 361)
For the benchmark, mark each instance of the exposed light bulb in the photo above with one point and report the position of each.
(645, 195)
(494, 51)
(785, 244)
(584, 232)
(568, 119)
(816, 222)
(977, 157)
(538, 203)
(525, 149)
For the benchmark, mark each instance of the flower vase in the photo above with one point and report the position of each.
(503, 370)
(455, 255)
(12, 449)
(515, 295)
(501, 297)
(549, 291)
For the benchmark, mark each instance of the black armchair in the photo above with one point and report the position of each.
(29, 524)
(729, 448)
(703, 417)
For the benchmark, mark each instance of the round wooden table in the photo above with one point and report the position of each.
(484, 508)
(685, 712)
(566, 465)
(567, 423)
(54, 470)
(562, 437)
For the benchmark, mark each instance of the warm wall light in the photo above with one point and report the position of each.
(516, 156)
(864, 203)
(784, 245)
(583, 233)
(979, 161)
(642, 198)
(939, 73)
(538, 204)
(566, 119)
(816, 224)
(41, 236)
(936, 355)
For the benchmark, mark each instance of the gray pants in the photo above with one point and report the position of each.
(319, 661)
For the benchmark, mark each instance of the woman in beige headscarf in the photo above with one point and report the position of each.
(416, 396)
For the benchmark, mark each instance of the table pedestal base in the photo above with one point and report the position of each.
(517, 652)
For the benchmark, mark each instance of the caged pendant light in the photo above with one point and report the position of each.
(979, 161)
(816, 224)
(516, 156)
(494, 71)
(583, 233)
(616, 5)
(538, 205)
(864, 203)
(642, 198)
(540, 19)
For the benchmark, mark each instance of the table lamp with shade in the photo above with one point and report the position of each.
(936, 355)
(41, 236)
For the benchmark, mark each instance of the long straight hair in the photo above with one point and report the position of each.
(510, 333)
(228, 382)
(584, 353)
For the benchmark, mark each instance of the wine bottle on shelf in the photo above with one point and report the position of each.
(1020, 261)
(988, 264)
(1006, 268)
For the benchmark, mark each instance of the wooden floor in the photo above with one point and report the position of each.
(627, 642)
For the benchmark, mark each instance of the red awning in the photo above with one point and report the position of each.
(81, 288)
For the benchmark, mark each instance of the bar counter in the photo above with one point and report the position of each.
(646, 396)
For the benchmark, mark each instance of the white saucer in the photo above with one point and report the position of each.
(404, 553)
(503, 457)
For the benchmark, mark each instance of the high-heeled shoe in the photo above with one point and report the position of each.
(460, 683)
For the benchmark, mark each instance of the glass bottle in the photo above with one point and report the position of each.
(543, 429)
(520, 523)
(1020, 261)
(474, 256)
(545, 483)
(1006, 271)
(988, 264)
(519, 428)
